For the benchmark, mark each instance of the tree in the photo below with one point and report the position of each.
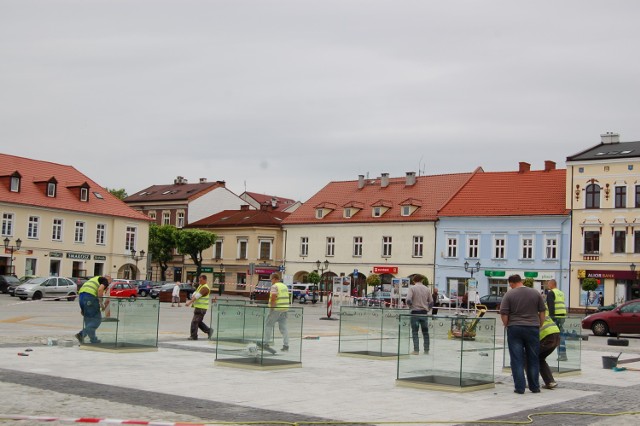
(528, 282)
(193, 242)
(118, 193)
(313, 277)
(374, 280)
(162, 241)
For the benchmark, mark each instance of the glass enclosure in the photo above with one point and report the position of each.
(461, 353)
(566, 358)
(251, 336)
(128, 324)
(233, 326)
(371, 331)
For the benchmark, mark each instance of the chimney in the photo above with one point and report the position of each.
(549, 165)
(274, 202)
(384, 180)
(411, 178)
(610, 137)
(524, 167)
(360, 181)
(203, 180)
(179, 181)
(244, 207)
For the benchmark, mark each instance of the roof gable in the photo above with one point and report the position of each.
(173, 192)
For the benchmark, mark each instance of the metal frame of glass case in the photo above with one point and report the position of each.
(370, 332)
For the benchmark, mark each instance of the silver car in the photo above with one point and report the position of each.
(47, 287)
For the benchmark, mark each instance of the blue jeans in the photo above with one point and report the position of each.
(524, 349)
(90, 308)
(417, 322)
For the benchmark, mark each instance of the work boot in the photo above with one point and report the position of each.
(210, 333)
(80, 338)
(285, 348)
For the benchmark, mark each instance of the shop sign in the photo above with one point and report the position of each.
(79, 256)
(99, 257)
(55, 254)
(528, 274)
(489, 273)
(206, 269)
(265, 271)
(385, 269)
(617, 275)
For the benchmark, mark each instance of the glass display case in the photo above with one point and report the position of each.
(128, 325)
(461, 354)
(231, 326)
(371, 332)
(249, 336)
(566, 359)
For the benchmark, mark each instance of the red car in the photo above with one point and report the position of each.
(624, 318)
(122, 289)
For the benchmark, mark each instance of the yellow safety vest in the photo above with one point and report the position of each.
(548, 327)
(282, 301)
(560, 309)
(203, 302)
(90, 287)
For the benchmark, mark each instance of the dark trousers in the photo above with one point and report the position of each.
(197, 322)
(90, 309)
(420, 320)
(547, 346)
(524, 349)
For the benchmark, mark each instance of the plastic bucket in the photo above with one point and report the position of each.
(609, 362)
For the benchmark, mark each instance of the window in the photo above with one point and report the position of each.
(217, 249)
(180, 222)
(621, 197)
(265, 249)
(592, 199)
(318, 213)
(79, 232)
(377, 212)
(101, 233)
(591, 242)
(636, 242)
(51, 189)
(357, 246)
(527, 246)
(347, 213)
(130, 238)
(499, 247)
(152, 215)
(473, 243)
(242, 248)
(166, 218)
(84, 194)
(56, 234)
(417, 245)
(30, 266)
(15, 184)
(7, 224)
(619, 241)
(406, 211)
(551, 247)
(452, 246)
(637, 196)
(386, 246)
(304, 246)
(331, 246)
(33, 230)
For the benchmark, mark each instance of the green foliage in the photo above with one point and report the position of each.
(528, 282)
(162, 241)
(118, 193)
(193, 242)
(589, 284)
(313, 277)
(373, 280)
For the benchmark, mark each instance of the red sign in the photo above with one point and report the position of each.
(385, 269)
(265, 271)
(620, 275)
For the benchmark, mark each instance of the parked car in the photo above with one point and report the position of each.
(310, 293)
(607, 307)
(26, 278)
(624, 318)
(165, 292)
(145, 287)
(6, 280)
(122, 289)
(491, 301)
(48, 287)
(79, 281)
(261, 292)
(444, 300)
(379, 298)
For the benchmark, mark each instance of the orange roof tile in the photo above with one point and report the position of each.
(431, 191)
(528, 193)
(282, 203)
(243, 217)
(33, 192)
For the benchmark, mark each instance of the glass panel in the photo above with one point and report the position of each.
(461, 353)
(259, 342)
(233, 326)
(570, 338)
(132, 324)
(370, 331)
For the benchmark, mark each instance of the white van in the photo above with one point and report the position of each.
(305, 292)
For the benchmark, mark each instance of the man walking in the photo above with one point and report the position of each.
(279, 305)
(200, 302)
(522, 313)
(420, 301)
(558, 312)
(90, 298)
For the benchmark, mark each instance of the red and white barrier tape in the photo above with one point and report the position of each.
(96, 420)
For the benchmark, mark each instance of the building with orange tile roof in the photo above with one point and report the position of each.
(281, 204)
(67, 224)
(384, 225)
(504, 223)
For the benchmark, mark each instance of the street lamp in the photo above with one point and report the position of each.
(137, 258)
(11, 249)
(471, 269)
(321, 269)
(221, 282)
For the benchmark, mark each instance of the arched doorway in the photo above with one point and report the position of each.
(127, 271)
(359, 283)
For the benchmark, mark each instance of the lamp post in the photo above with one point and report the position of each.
(633, 275)
(471, 269)
(137, 259)
(321, 267)
(11, 249)
(221, 283)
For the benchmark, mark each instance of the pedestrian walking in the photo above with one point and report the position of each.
(436, 301)
(522, 313)
(200, 302)
(420, 300)
(91, 304)
(278, 307)
(175, 295)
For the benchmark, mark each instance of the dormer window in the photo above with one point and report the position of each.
(347, 213)
(319, 213)
(406, 210)
(51, 189)
(377, 211)
(84, 194)
(15, 183)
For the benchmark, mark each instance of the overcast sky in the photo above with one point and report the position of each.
(285, 96)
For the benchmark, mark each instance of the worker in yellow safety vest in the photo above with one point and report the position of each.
(200, 301)
(558, 313)
(91, 303)
(279, 305)
(549, 341)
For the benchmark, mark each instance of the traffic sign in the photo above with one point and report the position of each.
(355, 272)
(281, 268)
